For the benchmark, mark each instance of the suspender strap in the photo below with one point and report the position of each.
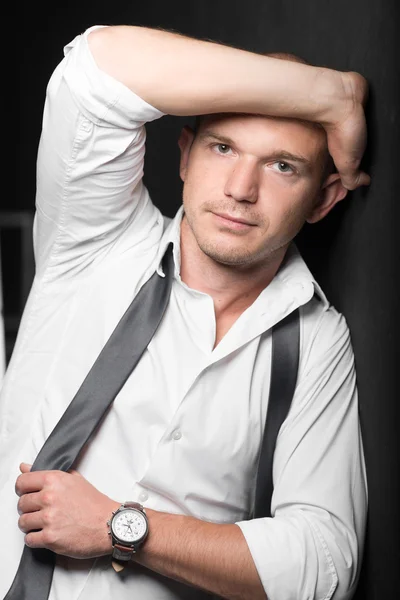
(284, 366)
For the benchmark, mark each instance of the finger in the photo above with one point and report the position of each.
(25, 467)
(34, 539)
(31, 521)
(352, 182)
(31, 482)
(44, 538)
(29, 503)
(364, 179)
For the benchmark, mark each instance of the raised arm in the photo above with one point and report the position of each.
(185, 76)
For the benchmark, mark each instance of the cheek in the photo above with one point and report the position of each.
(201, 184)
(286, 205)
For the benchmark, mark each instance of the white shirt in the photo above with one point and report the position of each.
(183, 435)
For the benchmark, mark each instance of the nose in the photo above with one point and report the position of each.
(242, 183)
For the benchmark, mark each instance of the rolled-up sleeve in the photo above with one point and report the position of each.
(90, 166)
(311, 547)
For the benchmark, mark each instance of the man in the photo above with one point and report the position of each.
(183, 436)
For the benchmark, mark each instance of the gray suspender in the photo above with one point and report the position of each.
(103, 382)
(284, 365)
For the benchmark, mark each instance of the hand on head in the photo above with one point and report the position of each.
(347, 132)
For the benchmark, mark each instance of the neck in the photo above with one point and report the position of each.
(233, 288)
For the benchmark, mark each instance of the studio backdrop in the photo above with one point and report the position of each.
(353, 252)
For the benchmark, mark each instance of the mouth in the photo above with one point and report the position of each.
(233, 222)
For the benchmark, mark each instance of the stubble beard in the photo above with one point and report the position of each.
(233, 255)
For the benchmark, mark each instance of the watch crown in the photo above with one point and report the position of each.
(108, 523)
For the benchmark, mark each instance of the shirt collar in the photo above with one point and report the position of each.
(293, 274)
(172, 234)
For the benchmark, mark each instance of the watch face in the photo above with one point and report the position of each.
(129, 525)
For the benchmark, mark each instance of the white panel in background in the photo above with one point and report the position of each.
(2, 338)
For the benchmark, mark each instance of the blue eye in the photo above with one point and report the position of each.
(223, 148)
(284, 167)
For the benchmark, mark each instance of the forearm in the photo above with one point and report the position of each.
(184, 76)
(209, 556)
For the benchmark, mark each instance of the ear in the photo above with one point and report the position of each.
(330, 194)
(185, 143)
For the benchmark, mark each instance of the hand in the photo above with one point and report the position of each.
(64, 513)
(347, 131)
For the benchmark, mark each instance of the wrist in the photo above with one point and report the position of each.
(343, 94)
(153, 527)
(106, 541)
(332, 96)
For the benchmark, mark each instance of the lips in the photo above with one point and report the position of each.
(237, 220)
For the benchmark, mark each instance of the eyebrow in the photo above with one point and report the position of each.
(276, 154)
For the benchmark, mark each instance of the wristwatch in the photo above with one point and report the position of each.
(129, 527)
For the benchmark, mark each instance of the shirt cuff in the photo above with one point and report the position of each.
(101, 98)
(290, 559)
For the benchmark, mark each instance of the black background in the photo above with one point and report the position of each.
(353, 252)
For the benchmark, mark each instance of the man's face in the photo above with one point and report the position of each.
(250, 182)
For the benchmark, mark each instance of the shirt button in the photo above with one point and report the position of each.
(143, 496)
(86, 125)
(177, 434)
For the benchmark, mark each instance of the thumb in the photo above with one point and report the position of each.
(355, 181)
(25, 467)
(363, 179)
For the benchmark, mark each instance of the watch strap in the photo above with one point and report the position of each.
(135, 505)
(121, 552)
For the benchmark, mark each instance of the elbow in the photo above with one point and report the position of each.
(305, 554)
(336, 558)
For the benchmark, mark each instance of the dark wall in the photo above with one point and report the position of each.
(352, 253)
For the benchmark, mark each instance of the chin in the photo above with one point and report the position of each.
(231, 256)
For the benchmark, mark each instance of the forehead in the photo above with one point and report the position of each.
(264, 132)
